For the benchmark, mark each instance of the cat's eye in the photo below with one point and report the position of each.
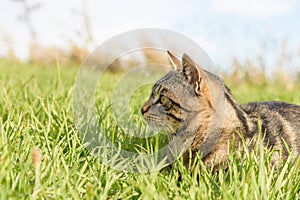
(165, 101)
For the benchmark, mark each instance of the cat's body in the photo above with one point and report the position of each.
(197, 107)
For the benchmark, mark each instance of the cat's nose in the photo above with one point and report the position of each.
(144, 108)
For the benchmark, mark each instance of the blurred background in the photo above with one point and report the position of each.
(245, 39)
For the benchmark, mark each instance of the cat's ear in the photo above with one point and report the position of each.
(175, 62)
(196, 76)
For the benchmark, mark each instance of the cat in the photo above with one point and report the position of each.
(198, 110)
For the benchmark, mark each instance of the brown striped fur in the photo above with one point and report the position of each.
(185, 101)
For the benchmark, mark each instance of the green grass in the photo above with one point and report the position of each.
(36, 112)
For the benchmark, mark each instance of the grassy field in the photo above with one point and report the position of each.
(36, 120)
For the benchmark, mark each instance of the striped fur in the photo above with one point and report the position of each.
(185, 102)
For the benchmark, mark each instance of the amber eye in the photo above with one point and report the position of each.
(165, 101)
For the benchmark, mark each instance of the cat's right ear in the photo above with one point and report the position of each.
(196, 76)
(175, 62)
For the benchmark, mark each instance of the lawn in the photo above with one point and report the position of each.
(36, 120)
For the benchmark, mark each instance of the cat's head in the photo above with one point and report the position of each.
(179, 97)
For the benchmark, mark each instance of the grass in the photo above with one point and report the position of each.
(36, 120)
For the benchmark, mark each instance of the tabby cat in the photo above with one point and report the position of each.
(196, 108)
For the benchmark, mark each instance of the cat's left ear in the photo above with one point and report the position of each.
(196, 77)
(175, 62)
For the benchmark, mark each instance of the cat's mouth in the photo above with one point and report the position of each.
(157, 124)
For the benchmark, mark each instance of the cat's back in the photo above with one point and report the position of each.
(279, 120)
(290, 112)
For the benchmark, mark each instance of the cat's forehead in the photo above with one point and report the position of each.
(173, 82)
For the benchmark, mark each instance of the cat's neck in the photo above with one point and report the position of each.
(236, 120)
(236, 124)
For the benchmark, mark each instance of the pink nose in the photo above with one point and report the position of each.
(145, 108)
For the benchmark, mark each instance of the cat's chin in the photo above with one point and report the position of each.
(155, 128)
(162, 129)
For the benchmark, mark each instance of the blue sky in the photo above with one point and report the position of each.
(224, 28)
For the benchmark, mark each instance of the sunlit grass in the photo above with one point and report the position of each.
(36, 112)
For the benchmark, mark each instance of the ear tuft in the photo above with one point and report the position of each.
(190, 71)
(175, 62)
(196, 76)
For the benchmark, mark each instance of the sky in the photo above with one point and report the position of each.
(225, 29)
